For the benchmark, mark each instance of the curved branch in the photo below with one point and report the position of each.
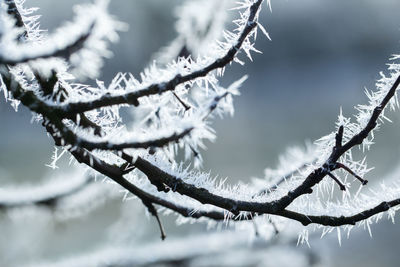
(29, 99)
(254, 208)
(317, 175)
(157, 142)
(132, 98)
(46, 199)
(159, 178)
(342, 220)
(116, 174)
(29, 52)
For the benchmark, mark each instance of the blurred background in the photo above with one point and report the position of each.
(322, 55)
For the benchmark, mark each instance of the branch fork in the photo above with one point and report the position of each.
(330, 166)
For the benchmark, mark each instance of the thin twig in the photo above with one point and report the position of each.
(341, 185)
(280, 181)
(341, 165)
(150, 207)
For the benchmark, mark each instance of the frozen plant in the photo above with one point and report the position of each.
(172, 104)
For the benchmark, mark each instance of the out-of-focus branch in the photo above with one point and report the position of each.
(13, 11)
(86, 123)
(45, 51)
(48, 199)
(158, 142)
(280, 181)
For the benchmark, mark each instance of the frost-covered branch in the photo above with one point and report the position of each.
(158, 177)
(172, 106)
(327, 220)
(14, 54)
(12, 10)
(155, 89)
(338, 150)
(186, 252)
(175, 137)
(46, 195)
(283, 179)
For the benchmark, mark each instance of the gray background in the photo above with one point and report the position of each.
(322, 54)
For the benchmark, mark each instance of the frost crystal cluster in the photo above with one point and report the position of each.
(171, 105)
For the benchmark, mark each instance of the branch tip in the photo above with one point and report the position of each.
(185, 106)
(339, 137)
(341, 185)
(150, 207)
(341, 165)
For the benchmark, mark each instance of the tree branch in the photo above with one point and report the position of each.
(19, 23)
(233, 206)
(157, 142)
(31, 52)
(46, 199)
(342, 220)
(280, 181)
(318, 174)
(154, 89)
